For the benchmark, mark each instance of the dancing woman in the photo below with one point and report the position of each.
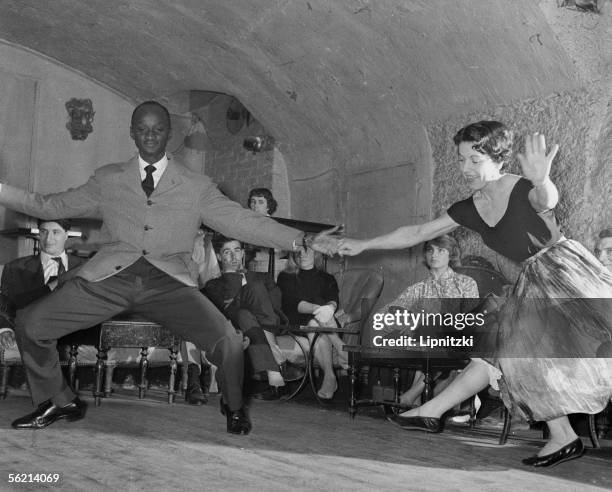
(549, 369)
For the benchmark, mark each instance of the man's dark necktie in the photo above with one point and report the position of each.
(148, 185)
(60, 269)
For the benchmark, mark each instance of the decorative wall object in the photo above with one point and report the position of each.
(80, 118)
(197, 138)
(261, 143)
(236, 116)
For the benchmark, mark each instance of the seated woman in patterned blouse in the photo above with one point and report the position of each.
(441, 254)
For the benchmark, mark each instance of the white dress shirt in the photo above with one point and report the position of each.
(50, 266)
(160, 167)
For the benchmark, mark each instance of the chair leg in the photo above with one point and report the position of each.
(144, 364)
(503, 439)
(353, 381)
(72, 366)
(428, 390)
(3, 381)
(472, 423)
(108, 379)
(101, 356)
(593, 432)
(173, 368)
(184, 374)
(396, 384)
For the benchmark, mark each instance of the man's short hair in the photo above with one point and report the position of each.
(150, 103)
(63, 223)
(219, 240)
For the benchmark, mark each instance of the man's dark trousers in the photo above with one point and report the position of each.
(143, 290)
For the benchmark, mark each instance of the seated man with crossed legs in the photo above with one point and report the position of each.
(246, 298)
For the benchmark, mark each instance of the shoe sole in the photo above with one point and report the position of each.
(422, 429)
(67, 418)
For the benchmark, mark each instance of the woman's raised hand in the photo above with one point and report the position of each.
(535, 163)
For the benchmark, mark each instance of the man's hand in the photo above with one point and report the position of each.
(7, 339)
(350, 247)
(326, 242)
(323, 314)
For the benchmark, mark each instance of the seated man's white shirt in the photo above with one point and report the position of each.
(50, 266)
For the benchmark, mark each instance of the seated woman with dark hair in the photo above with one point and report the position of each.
(262, 201)
(441, 254)
(310, 297)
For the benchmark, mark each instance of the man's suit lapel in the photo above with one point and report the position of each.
(131, 176)
(170, 179)
(34, 266)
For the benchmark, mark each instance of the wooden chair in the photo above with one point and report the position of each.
(364, 355)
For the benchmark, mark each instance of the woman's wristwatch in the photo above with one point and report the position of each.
(305, 242)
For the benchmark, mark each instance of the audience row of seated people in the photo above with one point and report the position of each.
(251, 300)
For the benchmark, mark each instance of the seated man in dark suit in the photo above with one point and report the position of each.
(29, 278)
(247, 299)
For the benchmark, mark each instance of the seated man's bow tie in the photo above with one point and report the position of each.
(148, 185)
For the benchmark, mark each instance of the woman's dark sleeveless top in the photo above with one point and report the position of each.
(520, 233)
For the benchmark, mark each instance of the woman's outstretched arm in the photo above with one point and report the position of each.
(402, 237)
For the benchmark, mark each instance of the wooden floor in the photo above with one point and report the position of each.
(130, 444)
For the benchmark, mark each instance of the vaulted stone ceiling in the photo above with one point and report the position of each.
(340, 75)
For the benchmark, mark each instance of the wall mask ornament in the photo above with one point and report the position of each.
(594, 6)
(80, 118)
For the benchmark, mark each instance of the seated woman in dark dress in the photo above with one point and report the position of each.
(310, 297)
(548, 362)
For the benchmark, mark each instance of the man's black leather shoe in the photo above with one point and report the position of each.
(427, 424)
(237, 421)
(47, 413)
(194, 394)
(573, 450)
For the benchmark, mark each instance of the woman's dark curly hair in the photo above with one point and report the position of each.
(490, 137)
(264, 193)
